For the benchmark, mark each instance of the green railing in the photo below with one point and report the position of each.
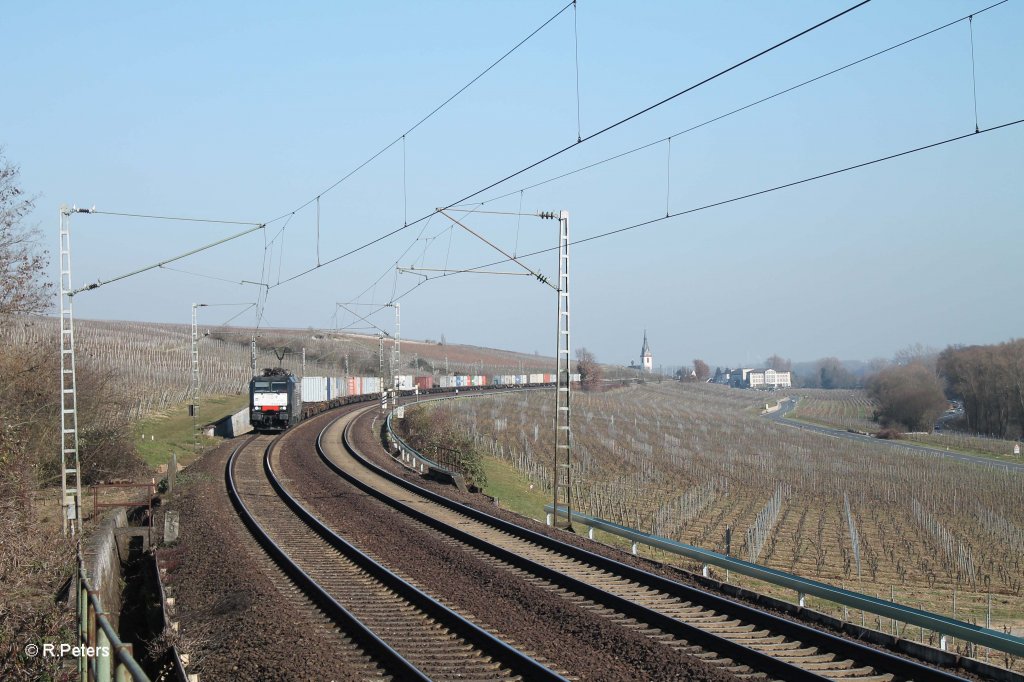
(102, 656)
(946, 627)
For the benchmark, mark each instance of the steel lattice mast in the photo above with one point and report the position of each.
(563, 380)
(70, 471)
(194, 408)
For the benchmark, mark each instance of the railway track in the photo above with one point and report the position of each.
(394, 630)
(729, 634)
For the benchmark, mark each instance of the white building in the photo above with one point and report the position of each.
(767, 378)
(646, 358)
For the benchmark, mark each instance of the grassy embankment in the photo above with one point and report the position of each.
(170, 431)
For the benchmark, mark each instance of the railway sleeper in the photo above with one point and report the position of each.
(849, 673)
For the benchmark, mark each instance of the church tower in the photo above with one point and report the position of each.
(645, 355)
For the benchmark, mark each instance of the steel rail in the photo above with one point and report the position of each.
(884, 661)
(472, 633)
(692, 634)
(390, 659)
(491, 646)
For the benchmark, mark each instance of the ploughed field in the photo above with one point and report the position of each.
(689, 461)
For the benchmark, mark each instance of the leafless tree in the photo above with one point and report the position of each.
(22, 263)
(591, 374)
(702, 370)
(910, 395)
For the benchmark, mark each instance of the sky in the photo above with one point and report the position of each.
(250, 111)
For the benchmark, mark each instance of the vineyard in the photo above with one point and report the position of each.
(853, 410)
(842, 409)
(152, 360)
(688, 461)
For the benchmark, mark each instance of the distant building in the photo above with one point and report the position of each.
(646, 358)
(757, 378)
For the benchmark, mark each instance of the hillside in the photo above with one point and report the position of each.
(151, 360)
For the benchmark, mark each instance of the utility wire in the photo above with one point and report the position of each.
(98, 283)
(564, 149)
(668, 99)
(576, 40)
(741, 197)
(430, 115)
(178, 218)
(974, 78)
(744, 107)
(199, 274)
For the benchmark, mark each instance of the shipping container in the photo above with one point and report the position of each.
(536, 379)
(337, 387)
(314, 389)
(404, 382)
(424, 383)
(574, 378)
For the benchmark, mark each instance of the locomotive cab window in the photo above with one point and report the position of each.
(261, 385)
(280, 386)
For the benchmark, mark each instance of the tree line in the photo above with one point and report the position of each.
(990, 381)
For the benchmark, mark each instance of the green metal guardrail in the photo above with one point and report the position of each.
(409, 455)
(103, 657)
(803, 586)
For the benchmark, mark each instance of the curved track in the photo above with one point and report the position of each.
(395, 630)
(726, 633)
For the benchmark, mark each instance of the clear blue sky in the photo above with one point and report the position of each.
(245, 111)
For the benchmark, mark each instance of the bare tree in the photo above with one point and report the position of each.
(910, 395)
(778, 363)
(22, 263)
(591, 373)
(702, 370)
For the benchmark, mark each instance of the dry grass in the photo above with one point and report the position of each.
(35, 560)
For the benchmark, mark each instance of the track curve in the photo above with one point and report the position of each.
(396, 630)
(726, 633)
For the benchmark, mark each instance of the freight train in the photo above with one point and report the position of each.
(278, 400)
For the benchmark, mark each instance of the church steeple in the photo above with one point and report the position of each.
(646, 358)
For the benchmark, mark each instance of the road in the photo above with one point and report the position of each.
(789, 404)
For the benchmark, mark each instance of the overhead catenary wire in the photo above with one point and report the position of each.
(176, 218)
(742, 197)
(429, 115)
(561, 151)
(99, 283)
(745, 107)
(974, 77)
(576, 43)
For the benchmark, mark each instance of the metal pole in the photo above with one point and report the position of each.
(253, 355)
(563, 370)
(303, 361)
(383, 391)
(195, 376)
(396, 360)
(70, 478)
